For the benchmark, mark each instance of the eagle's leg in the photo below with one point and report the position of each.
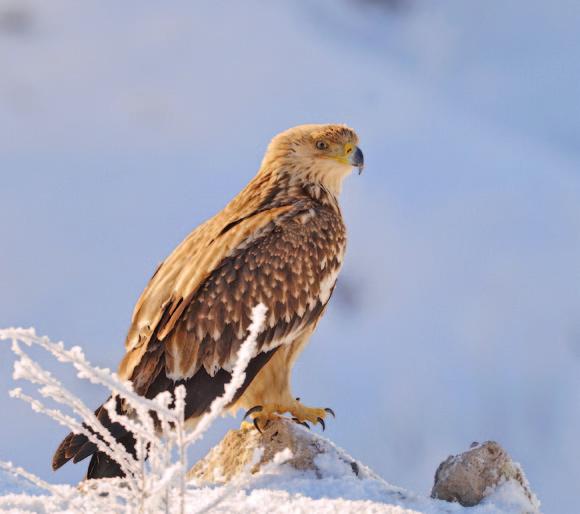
(269, 395)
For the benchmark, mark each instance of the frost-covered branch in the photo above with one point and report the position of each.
(17, 472)
(153, 476)
(94, 374)
(25, 368)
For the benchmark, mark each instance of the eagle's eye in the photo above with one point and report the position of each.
(321, 145)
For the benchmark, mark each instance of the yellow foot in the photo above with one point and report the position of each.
(263, 414)
(303, 415)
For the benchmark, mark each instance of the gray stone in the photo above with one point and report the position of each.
(469, 477)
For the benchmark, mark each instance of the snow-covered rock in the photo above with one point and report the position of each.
(248, 450)
(470, 477)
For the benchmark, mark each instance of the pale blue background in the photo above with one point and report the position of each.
(457, 318)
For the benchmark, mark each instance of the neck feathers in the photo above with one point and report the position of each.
(287, 186)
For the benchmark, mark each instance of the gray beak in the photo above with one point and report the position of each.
(357, 160)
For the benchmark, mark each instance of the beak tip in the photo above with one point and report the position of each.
(358, 160)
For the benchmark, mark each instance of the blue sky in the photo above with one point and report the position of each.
(456, 319)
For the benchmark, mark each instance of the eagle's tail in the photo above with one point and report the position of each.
(78, 447)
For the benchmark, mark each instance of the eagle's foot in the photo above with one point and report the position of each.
(304, 415)
(263, 414)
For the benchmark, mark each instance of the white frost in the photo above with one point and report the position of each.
(156, 475)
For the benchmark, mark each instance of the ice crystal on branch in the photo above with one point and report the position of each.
(156, 475)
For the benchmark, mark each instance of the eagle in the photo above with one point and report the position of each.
(280, 242)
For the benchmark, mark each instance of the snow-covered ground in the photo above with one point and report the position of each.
(287, 490)
(292, 492)
(123, 125)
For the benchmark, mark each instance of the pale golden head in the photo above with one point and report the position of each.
(324, 154)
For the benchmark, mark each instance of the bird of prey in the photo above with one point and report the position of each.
(279, 242)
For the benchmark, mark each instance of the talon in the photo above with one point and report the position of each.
(303, 423)
(257, 408)
(298, 398)
(256, 424)
(330, 411)
(321, 421)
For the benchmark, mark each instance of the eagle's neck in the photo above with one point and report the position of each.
(287, 188)
(322, 195)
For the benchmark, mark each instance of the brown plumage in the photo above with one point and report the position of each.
(279, 242)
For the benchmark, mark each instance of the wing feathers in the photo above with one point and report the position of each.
(182, 273)
(273, 257)
(220, 249)
(279, 269)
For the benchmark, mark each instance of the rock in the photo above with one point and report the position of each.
(247, 449)
(471, 476)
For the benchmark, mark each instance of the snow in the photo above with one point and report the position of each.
(282, 489)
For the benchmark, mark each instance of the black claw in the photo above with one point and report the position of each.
(330, 411)
(321, 421)
(256, 425)
(257, 408)
(298, 399)
(303, 423)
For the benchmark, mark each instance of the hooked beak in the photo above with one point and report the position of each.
(357, 160)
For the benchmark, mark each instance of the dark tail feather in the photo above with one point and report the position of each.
(78, 447)
(202, 389)
(102, 466)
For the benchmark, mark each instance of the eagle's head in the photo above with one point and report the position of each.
(322, 154)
